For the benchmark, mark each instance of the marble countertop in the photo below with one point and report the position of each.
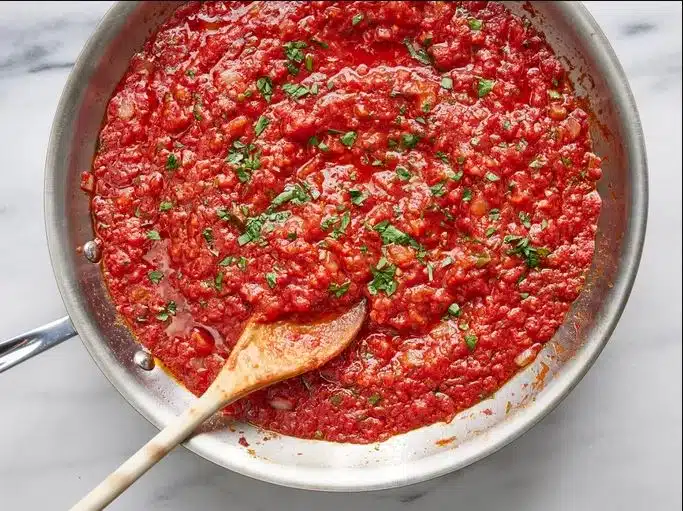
(614, 443)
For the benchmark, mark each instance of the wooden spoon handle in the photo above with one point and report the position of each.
(140, 462)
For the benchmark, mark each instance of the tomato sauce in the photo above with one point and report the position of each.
(288, 158)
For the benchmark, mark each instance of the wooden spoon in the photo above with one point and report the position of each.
(266, 353)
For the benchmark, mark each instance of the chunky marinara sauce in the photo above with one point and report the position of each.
(289, 158)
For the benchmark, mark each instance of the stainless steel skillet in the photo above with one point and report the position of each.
(405, 459)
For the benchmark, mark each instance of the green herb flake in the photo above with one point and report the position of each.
(242, 263)
(426, 107)
(294, 193)
(227, 261)
(544, 224)
(490, 176)
(447, 83)
(357, 19)
(339, 290)
(475, 24)
(554, 94)
(409, 140)
(155, 276)
(484, 87)
(172, 162)
(165, 206)
(207, 234)
(439, 189)
(168, 311)
(524, 296)
(393, 235)
(308, 63)
(507, 125)
(245, 158)
(343, 224)
(265, 87)
(490, 232)
(336, 399)
(296, 90)
(374, 399)
(348, 138)
(153, 235)
(293, 51)
(454, 310)
(418, 54)
(218, 282)
(261, 125)
(522, 247)
(525, 219)
(430, 272)
(466, 195)
(494, 214)
(322, 44)
(271, 279)
(403, 174)
(357, 197)
(383, 279)
(471, 341)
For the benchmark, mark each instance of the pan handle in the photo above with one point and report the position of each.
(22, 347)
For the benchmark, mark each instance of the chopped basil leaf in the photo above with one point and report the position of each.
(374, 399)
(153, 235)
(357, 19)
(447, 83)
(524, 296)
(454, 310)
(420, 54)
(227, 261)
(339, 290)
(456, 176)
(391, 234)
(271, 279)
(345, 221)
(218, 282)
(383, 279)
(168, 311)
(475, 24)
(525, 219)
(421, 120)
(336, 400)
(430, 272)
(447, 262)
(403, 173)
(265, 87)
(439, 189)
(554, 94)
(165, 206)
(484, 87)
(296, 91)
(253, 225)
(357, 197)
(261, 125)
(490, 232)
(443, 157)
(322, 44)
(409, 140)
(537, 163)
(245, 158)
(308, 62)
(466, 195)
(492, 177)
(471, 341)
(172, 162)
(377, 163)
(507, 124)
(242, 263)
(294, 193)
(544, 224)
(314, 88)
(494, 214)
(155, 276)
(208, 235)
(293, 51)
(364, 249)
(348, 138)
(522, 247)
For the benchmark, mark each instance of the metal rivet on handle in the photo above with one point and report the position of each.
(92, 252)
(144, 360)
